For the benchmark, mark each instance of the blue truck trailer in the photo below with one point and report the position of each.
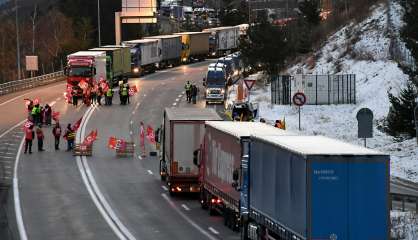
(312, 187)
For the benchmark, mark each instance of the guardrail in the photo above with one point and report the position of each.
(28, 83)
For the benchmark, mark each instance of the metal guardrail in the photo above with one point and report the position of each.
(28, 83)
(406, 196)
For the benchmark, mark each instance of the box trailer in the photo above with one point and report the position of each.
(312, 187)
(223, 40)
(220, 156)
(170, 48)
(144, 55)
(183, 132)
(118, 63)
(195, 46)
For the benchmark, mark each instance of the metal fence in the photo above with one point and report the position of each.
(319, 89)
(28, 83)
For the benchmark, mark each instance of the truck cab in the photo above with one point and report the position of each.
(145, 54)
(215, 83)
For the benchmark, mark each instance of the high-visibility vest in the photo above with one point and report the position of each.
(124, 91)
(188, 86)
(109, 93)
(36, 110)
(70, 135)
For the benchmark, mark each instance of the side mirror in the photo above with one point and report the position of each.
(195, 157)
(235, 175)
(94, 71)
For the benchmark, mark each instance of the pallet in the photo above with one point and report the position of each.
(128, 151)
(83, 150)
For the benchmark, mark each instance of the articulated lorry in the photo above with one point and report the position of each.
(183, 132)
(170, 49)
(312, 187)
(118, 63)
(215, 83)
(85, 67)
(219, 159)
(195, 46)
(145, 55)
(223, 40)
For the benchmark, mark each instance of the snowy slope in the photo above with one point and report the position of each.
(362, 49)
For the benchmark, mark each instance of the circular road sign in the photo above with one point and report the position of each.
(299, 99)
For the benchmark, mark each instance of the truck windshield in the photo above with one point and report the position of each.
(215, 79)
(80, 71)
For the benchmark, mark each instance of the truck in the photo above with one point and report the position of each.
(145, 56)
(215, 83)
(84, 67)
(170, 48)
(223, 40)
(311, 187)
(218, 159)
(182, 133)
(230, 68)
(195, 46)
(118, 63)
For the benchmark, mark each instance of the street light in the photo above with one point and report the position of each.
(17, 43)
(98, 22)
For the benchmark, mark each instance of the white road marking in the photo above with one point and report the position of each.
(139, 156)
(132, 122)
(6, 157)
(16, 196)
(174, 104)
(165, 188)
(6, 153)
(9, 144)
(185, 217)
(213, 230)
(101, 203)
(181, 95)
(52, 103)
(131, 132)
(133, 112)
(177, 99)
(185, 207)
(150, 172)
(183, 92)
(12, 128)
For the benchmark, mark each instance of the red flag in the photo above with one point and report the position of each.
(56, 116)
(150, 134)
(36, 101)
(27, 125)
(133, 90)
(90, 138)
(120, 144)
(83, 84)
(104, 86)
(77, 124)
(112, 143)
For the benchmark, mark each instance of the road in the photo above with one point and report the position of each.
(57, 202)
(103, 197)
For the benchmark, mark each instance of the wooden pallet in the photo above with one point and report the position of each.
(83, 150)
(128, 151)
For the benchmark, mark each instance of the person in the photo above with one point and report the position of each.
(188, 88)
(262, 120)
(279, 124)
(194, 93)
(109, 96)
(47, 115)
(99, 95)
(124, 94)
(74, 94)
(128, 96)
(40, 136)
(93, 95)
(56, 131)
(70, 137)
(29, 136)
(41, 116)
(36, 112)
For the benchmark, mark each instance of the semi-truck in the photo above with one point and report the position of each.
(145, 55)
(218, 159)
(311, 187)
(223, 40)
(215, 83)
(183, 132)
(85, 66)
(118, 63)
(230, 69)
(195, 46)
(170, 49)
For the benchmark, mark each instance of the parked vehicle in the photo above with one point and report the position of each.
(144, 55)
(118, 63)
(215, 83)
(170, 50)
(218, 158)
(183, 131)
(230, 69)
(223, 40)
(310, 187)
(85, 67)
(195, 46)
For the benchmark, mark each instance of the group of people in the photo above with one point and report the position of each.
(94, 94)
(39, 115)
(281, 124)
(191, 92)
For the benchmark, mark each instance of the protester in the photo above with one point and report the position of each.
(36, 114)
(74, 94)
(56, 131)
(188, 88)
(109, 97)
(93, 95)
(47, 115)
(99, 95)
(29, 136)
(193, 93)
(40, 136)
(70, 137)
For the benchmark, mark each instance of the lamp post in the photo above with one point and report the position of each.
(98, 22)
(19, 72)
(415, 118)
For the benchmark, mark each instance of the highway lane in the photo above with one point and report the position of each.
(132, 186)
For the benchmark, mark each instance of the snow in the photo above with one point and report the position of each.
(404, 225)
(376, 75)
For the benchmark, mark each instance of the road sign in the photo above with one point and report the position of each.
(249, 83)
(31, 63)
(365, 124)
(299, 99)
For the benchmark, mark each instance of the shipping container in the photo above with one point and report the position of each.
(220, 158)
(195, 46)
(118, 63)
(183, 132)
(223, 40)
(144, 55)
(170, 48)
(312, 187)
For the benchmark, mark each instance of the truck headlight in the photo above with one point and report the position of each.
(184, 59)
(223, 91)
(214, 53)
(208, 91)
(136, 70)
